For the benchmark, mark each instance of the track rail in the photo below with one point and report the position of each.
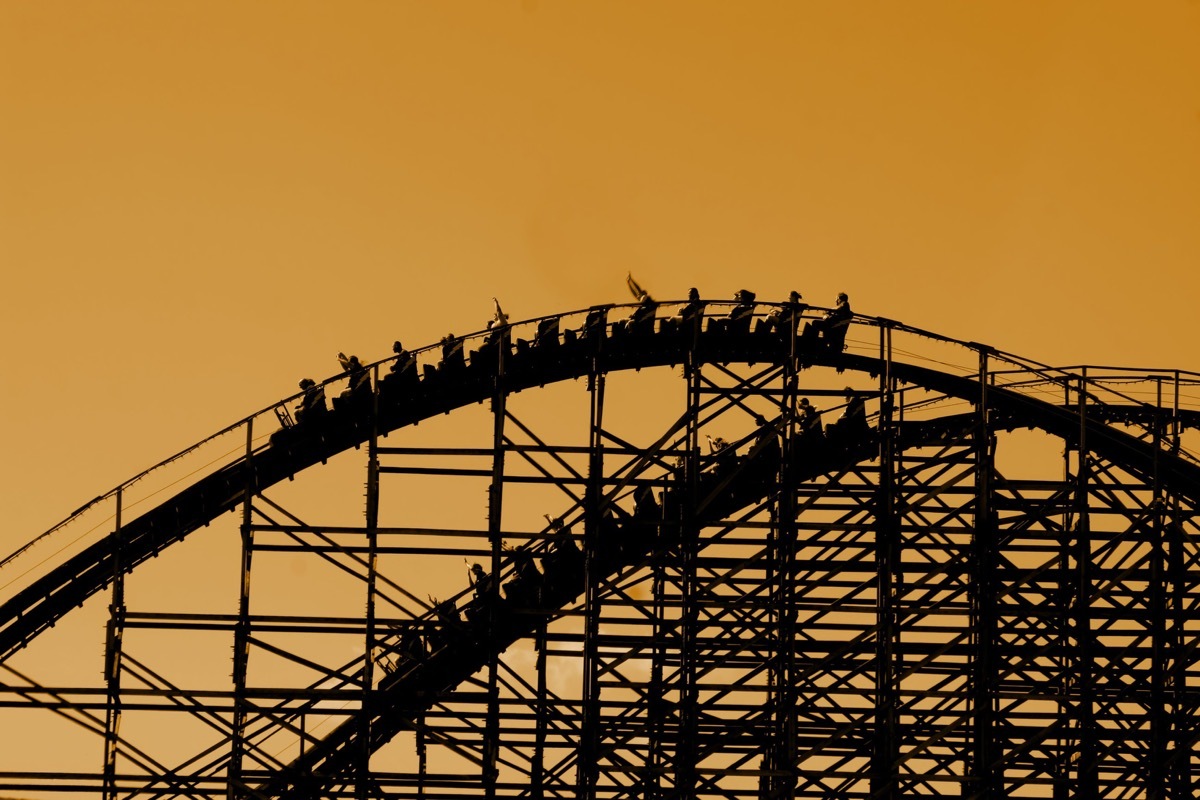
(1017, 386)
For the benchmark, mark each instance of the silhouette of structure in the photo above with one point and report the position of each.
(873, 611)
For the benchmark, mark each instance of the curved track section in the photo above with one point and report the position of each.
(1114, 430)
(67, 586)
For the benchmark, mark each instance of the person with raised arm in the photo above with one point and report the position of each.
(359, 385)
(642, 318)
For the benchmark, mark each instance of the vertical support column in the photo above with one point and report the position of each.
(1064, 661)
(589, 739)
(1183, 722)
(780, 759)
(885, 761)
(658, 708)
(491, 736)
(689, 534)
(655, 760)
(1160, 722)
(683, 759)
(1087, 774)
(537, 771)
(112, 659)
(984, 779)
(241, 631)
(371, 514)
(422, 757)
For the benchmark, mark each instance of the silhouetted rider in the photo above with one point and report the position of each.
(452, 352)
(498, 327)
(832, 327)
(810, 419)
(738, 320)
(312, 404)
(642, 318)
(853, 421)
(785, 319)
(694, 307)
(405, 360)
(358, 390)
(360, 379)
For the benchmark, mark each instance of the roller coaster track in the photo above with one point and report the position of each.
(1007, 392)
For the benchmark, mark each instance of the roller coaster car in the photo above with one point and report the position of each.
(834, 339)
(402, 656)
(547, 333)
(724, 458)
(563, 567)
(845, 433)
(311, 416)
(449, 625)
(498, 340)
(645, 507)
(736, 324)
(408, 652)
(474, 610)
(546, 337)
(729, 479)
(738, 321)
(453, 358)
(524, 588)
(822, 336)
(487, 356)
(670, 326)
(686, 320)
(616, 539)
(595, 325)
(284, 436)
(400, 379)
(781, 322)
(355, 400)
(640, 322)
(638, 533)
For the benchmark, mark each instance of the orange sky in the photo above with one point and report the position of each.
(201, 203)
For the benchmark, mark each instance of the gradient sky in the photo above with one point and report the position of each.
(201, 203)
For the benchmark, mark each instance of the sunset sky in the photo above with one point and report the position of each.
(201, 203)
